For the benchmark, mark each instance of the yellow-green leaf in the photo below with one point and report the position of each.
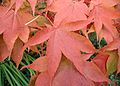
(112, 61)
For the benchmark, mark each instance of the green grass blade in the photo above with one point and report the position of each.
(12, 77)
(16, 73)
(0, 77)
(7, 76)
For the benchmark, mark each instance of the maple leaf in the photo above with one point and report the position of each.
(113, 50)
(13, 26)
(112, 62)
(100, 60)
(4, 52)
(43, 79)
(105, 34)
(112, 46)
(70, 44)
(67, 70)
(63, 40)
(46, 34)
(15, 52)
(103, 21)
(71, 76)
(71, 11)
(18, 4)
(39, 64)
(104, 3)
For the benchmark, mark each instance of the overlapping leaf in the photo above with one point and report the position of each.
(67, 70)
(71, 11)
(113, 50)
(4, 52)
(103, 20)
(105, 3)
(70, 44)
(71, 77)
(19, 3)
(62, 40)
(13, 26)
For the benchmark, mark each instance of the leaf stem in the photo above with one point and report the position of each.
(32, 20)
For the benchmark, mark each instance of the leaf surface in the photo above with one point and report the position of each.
(19, 3)
(70, 44)
(4, 52)
(39, 64)
(105, 3)
(113, 49)
(43, 79)
(13, 26)
(101, 60)
(104, 21)
(15, 52)
(71, 76)
(65, 12)
(112, 62)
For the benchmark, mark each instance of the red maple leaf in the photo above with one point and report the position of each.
(66, 69)
(60, 40)
(4, 52)
(19, 3)
(64, 13)
(13, 26)
(103, 18)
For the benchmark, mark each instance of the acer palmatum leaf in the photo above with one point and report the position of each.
(67, 75)
(43, 79)
(112, 62)
(100, 60)
(70, 44)
(39, 65)
(4, 52)
(19, 3)
(104, 3)
(104, 21)
(66, 72)
(105, 34)
(114, 45)
(71, 11)
(13, 26)
(84, 66)
(114, 51)
(16, 52)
